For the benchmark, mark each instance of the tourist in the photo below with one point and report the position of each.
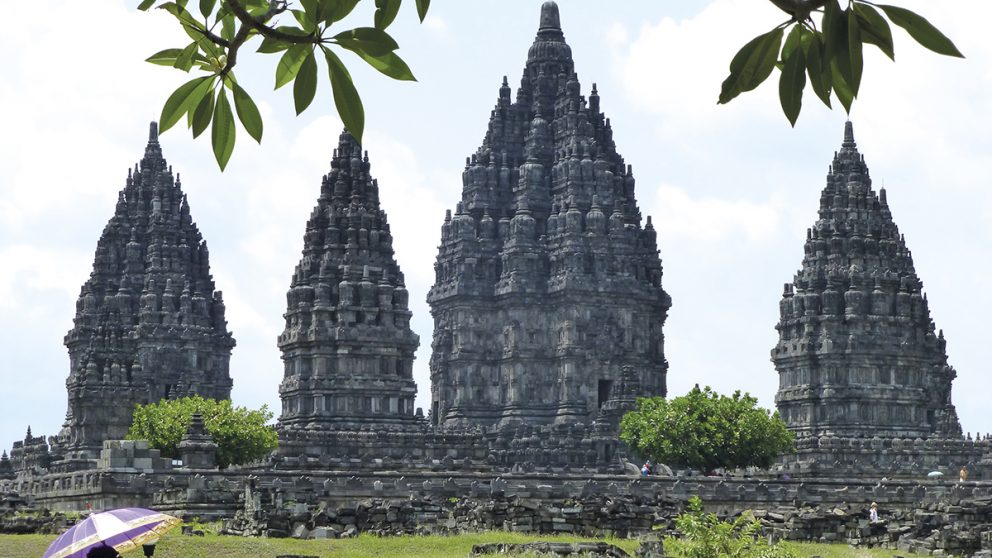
(873, 512)
(646, 469)
(963, 473)
(102, 551)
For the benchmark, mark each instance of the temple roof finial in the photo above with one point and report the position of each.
(153, 132)
(849, 135)
(549, 16)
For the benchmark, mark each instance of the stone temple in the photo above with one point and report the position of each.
(548, 311)
(859, 357)
(347, 347)
(547, 287)
(149, 324)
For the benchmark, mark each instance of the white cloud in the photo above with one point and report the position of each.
(678, 217)
(436, 24)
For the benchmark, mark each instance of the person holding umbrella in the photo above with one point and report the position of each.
(102, 551)
(107, 534)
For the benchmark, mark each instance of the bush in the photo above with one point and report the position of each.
(705, 536)
(705, 430)
(241, 434)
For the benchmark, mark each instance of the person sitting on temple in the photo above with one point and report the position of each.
(102, 551)
(963, 473)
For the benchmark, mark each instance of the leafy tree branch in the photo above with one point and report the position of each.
(831, 57)
(226, 26)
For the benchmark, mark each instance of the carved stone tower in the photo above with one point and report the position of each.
(347, 348)
(547, 286)
(858, 354)
(149, 324)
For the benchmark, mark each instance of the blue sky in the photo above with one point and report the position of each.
(731, 188)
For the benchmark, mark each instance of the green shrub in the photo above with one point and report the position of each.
(241, 434)
(705, 536)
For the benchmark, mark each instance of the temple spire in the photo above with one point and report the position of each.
(849, 135)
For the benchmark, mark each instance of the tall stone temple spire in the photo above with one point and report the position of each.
(347, 348)
(858, 354)
(547, 284)
(149, 324)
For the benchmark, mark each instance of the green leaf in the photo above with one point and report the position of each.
(837, 42)
(921, 30)
(346, 97)
(875, 30)
(207, 7)
(248, 113)
(200, 118)
(222, 133)
(182, 99)
(792, 41)
(422, 6)
(389, 64)
(819, 76)
(184, 61)
(854, 51)
(311, 8)
(385, 12)
(305, 86)
(145, 4)
(752, 65)
(841, 89)
(290, 63)
(308, 25)
(227, 24)
(367, 39)
(270, 46)
(165, 57)
(335, 10)
(179, 12)
(791, 84)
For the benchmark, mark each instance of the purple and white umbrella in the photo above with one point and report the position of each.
(124, 529)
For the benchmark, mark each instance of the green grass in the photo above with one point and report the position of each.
(174, 545)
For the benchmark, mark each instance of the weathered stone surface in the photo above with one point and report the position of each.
(348, 348)
(149, 324)
(348, 391)
(547, 284)
(197, 449)
(858, 354)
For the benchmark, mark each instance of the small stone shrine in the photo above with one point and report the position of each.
(149, 324)
(547, 284)
(860, 361)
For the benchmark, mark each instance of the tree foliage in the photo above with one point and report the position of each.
(223, 28)
(831, 56)
(705, 536)
(242, 435)
(704, 430)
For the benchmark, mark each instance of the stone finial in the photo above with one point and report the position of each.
(849, 135)
(153, 132)
(549, 17)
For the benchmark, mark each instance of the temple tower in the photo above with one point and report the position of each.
(547, 284)
(149, 324)
(858, 354)
(347, 347)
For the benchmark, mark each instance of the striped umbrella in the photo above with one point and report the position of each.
(124, 529)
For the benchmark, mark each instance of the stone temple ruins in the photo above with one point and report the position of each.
(548, 311)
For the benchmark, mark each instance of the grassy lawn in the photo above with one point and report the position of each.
(366, 546)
